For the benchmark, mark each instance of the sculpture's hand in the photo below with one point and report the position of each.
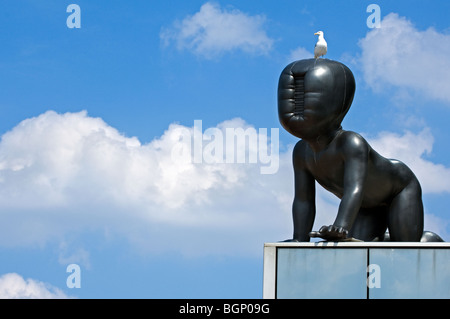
(330, 233)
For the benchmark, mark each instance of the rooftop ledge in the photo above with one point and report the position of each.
(360, 244)
(357, 270)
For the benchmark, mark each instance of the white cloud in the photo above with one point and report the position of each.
(14, 286)
(400, 55)
(63, 175)
(300, 53)
(214, 30)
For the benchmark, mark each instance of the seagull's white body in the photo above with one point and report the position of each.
(321, 46)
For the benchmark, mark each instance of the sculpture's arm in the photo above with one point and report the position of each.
(356, 155)
(304, 206)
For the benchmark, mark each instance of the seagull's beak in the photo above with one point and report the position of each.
(316, 33)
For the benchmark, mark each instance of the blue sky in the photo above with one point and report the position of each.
(90, 115)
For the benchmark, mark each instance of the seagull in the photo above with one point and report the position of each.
(321, 46)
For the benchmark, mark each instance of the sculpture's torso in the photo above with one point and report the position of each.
(384, 178)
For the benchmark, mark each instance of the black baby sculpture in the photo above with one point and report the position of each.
(377, 194)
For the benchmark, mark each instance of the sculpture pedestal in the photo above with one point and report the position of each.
(356, 270)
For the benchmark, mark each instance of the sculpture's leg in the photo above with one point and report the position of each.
(370, 224)
(405, 220)
(429, 236)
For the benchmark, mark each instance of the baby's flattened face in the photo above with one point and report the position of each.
(313, 97)
(320, 110)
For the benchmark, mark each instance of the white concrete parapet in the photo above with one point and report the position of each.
(356, 270)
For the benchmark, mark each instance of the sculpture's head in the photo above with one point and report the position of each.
(313, 96)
